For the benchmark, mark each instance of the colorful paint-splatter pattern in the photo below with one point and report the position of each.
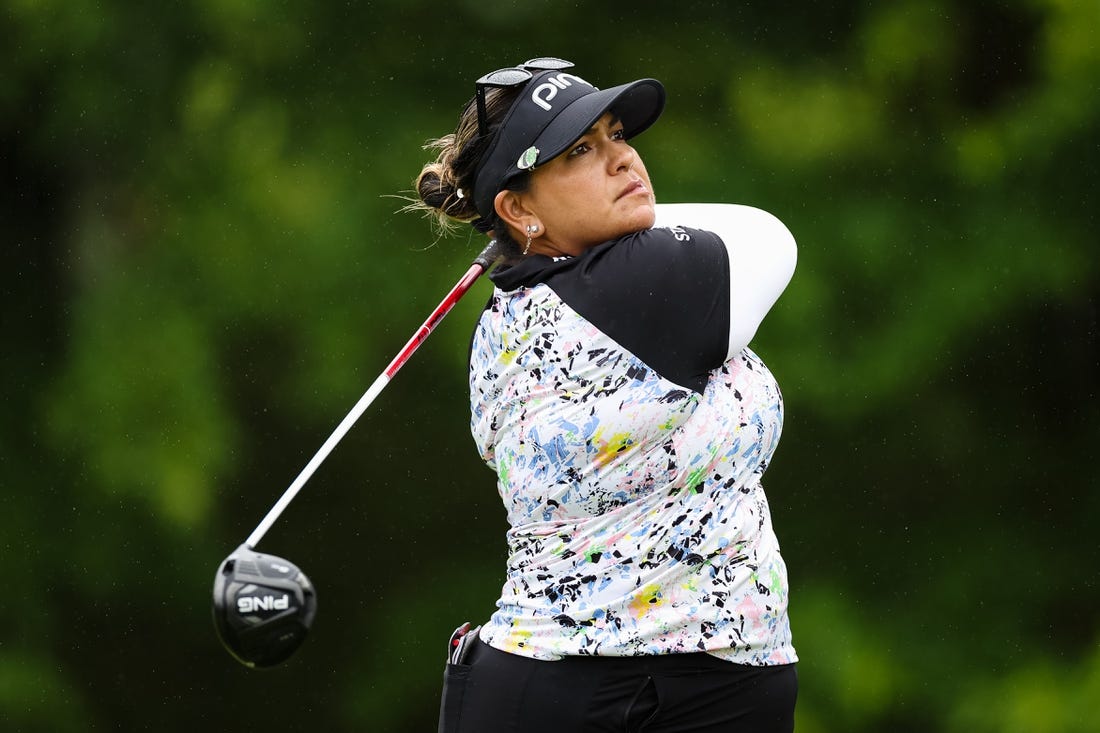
(638, 521)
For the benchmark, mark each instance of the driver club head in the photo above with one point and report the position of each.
(263, 607)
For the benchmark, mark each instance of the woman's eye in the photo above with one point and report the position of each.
(580, 149)
(618, 134)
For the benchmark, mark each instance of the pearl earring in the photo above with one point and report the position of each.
(531, 229)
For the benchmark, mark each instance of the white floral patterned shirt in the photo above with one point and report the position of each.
(629, 437)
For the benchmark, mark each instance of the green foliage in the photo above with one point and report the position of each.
(204, 266)
(34, 696)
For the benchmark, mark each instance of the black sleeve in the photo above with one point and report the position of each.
(661, 293)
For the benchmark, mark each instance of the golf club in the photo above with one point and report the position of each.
(264, 605)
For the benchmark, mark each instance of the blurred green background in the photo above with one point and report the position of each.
(204, 266)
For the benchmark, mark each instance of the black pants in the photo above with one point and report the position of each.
(496, 692)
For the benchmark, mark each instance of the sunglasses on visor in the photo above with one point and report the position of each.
(512, 76)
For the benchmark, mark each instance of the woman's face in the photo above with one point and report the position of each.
(595, 191)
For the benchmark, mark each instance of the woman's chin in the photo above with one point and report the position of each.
(641, 218)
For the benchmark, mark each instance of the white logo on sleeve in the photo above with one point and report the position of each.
(680, 234)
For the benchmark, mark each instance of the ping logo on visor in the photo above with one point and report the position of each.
(543, 93)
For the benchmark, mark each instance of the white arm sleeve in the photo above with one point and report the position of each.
(761, 254)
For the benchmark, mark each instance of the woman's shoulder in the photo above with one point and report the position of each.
(756, 240)
(656, 266)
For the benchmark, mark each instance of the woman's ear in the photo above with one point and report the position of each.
(512, 209)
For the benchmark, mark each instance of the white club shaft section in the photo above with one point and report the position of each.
(318, 458)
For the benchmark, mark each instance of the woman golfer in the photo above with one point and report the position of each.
(629, 425)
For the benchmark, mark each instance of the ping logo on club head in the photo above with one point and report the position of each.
(253, 604)
(543, 93)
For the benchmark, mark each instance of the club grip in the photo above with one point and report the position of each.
(492, 252)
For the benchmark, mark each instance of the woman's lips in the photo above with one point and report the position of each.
(635, 187)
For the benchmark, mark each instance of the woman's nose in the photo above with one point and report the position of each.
(622, 159)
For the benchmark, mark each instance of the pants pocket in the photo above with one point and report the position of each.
(455, 677)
